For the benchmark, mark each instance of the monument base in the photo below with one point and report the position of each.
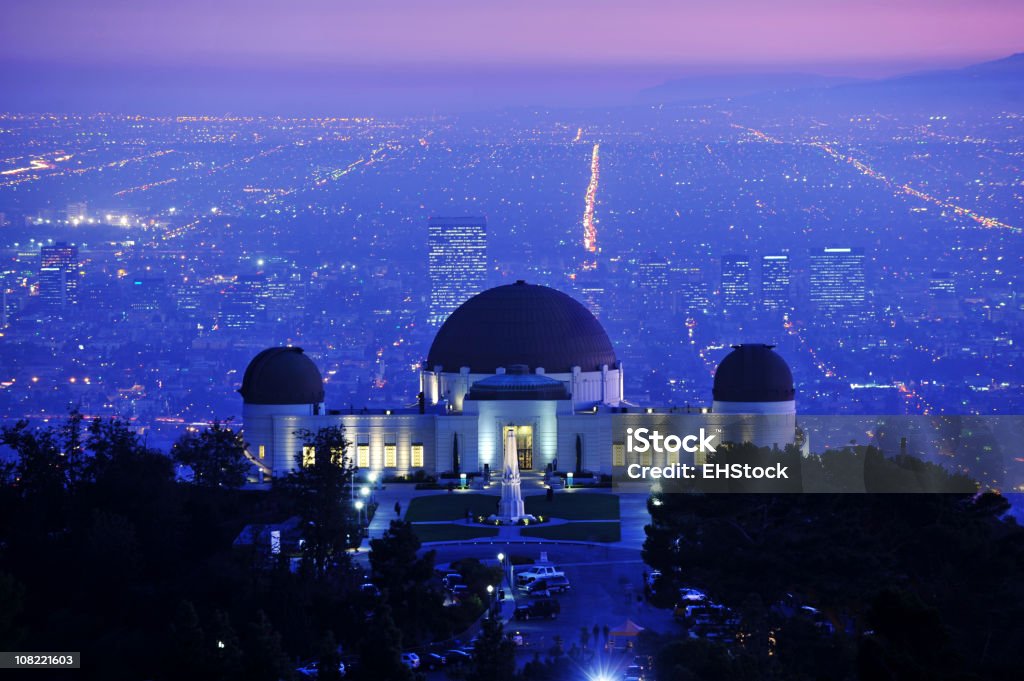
(496, 520)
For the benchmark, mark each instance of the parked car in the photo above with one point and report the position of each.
(687, 594)
(411, 660)
(633, 673)
(689, 598)
(433, 661)
(818, 618)
(538, 571)
(456, 657)
(556, 584)
(538, 608)
(451, 579)
(312, 670)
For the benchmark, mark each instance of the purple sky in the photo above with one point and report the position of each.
(48, 40)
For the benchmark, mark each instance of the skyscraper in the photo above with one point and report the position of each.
(77, 212)
(838, 283)
(458, 263)
(147, 294)
(735, 288)
(775, 283)
(58, 275)
(652, 281)
(942, 295)
(244, 305)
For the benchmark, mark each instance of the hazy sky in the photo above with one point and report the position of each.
(47, 43)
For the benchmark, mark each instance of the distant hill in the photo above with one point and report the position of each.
(995, 84)
(998, 84)
(730, 85)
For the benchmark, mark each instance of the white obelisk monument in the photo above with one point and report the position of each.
(510, 508)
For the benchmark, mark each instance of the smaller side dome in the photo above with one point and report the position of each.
(753, 372)
(282, 375)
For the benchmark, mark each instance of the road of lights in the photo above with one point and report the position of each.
(19, 175)
(34, 164)
(589, 228)
(829, 371)
(906, 188)
(145, 187)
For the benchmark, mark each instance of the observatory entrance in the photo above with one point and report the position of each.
(524, 445)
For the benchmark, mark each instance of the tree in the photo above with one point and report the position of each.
(226, 662)
(329, 659)
(406, 580)
(494, 657)
(380, 654)
(12, 603)
(216, 456)
(456, 464)
(44, 473)
(318, 487)
(188, 655)
(265, 660)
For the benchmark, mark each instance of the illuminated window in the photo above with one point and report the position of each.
(363, 456)
(390, 456)
(673, 458)
(263, 452)
(618, 454)
(417, 455)
(308, 456)
(645, 458)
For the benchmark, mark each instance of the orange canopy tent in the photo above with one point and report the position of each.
(624, 633)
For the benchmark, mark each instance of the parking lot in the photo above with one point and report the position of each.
(603, 593)
(606, 589)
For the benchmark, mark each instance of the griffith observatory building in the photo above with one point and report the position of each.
(518, 357)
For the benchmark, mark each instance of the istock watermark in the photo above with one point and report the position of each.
(665, 453)
(643, 440)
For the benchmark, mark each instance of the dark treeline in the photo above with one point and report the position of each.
(104, 550)
(912, 586)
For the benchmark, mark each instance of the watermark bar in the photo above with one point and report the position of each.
(35, 660)
(776, 453)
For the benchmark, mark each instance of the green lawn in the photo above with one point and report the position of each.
(567, 505)
(453, 532)
(575, 506)
(602, 532)
(450, 506)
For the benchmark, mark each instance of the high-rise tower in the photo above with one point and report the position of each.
(735, 283)
(775, 283)
(838, 289)
(58, 275)
(458, 263)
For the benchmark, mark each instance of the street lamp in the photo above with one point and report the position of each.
(365, 491)
(359, 511)
(490, 595)
(501, 563)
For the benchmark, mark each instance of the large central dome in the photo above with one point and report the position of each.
(521, 324)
